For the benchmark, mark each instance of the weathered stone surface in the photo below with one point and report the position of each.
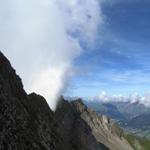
(87, 130)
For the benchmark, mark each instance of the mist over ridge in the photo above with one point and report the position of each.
(42, 39)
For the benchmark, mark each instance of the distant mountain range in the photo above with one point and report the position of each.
(142, 121)
(133, 117)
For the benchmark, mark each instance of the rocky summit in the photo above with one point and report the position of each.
(27, 122)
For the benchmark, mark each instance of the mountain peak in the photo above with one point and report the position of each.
(10, 83)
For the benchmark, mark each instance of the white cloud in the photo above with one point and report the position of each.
(42, 38)
(132, 98)
(103, 96)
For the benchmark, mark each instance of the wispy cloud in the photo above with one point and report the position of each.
(42, 39)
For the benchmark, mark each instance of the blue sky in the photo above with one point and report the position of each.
(119, 63)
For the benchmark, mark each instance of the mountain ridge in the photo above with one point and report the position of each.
(27, 122)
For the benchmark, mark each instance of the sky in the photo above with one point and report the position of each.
(83, 48)
(42, 39)
(119, 62)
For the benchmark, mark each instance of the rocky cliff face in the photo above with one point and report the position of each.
(86, 129)
(27, 122)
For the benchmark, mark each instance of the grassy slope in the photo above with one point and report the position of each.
(138, 143)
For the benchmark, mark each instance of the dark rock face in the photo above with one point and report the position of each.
(76, 132)
(27, 122)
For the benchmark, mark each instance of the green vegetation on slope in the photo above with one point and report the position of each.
(138, 143)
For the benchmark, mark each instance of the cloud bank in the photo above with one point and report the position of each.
(42, 39)
(132, 98)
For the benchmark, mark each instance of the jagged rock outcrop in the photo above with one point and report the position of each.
(27, 122)
(74, 129)
(85, 126)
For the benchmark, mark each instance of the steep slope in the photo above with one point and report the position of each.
(138, 143)
(87, 125)
(75, 130)
(27, 122)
